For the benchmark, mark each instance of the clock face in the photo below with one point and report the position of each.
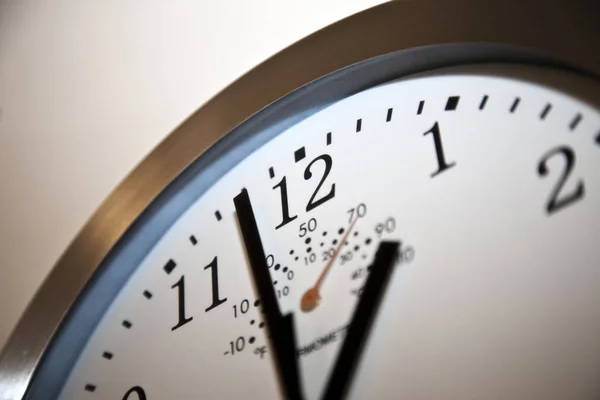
(414, 217)
(489, 180)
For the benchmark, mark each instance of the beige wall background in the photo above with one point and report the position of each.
(88, 88)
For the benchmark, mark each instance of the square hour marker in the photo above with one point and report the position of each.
(170, 266)
(299, 154)
(452, 103)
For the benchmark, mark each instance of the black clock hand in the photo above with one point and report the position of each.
(364, 314)
(281, 328)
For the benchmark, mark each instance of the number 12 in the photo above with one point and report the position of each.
(312, 203)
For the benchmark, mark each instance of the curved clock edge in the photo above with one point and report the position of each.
(381, 30)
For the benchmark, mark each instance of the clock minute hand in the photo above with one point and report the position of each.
(281, 328)
(362, 319)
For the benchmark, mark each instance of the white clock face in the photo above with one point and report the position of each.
(491, 184)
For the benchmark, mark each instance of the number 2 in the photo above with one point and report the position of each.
(557, 200)
(140, 394)
(307, 175)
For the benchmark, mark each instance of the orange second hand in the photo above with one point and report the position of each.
(334, 256)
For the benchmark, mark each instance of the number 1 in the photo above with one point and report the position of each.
(180, 285)
(216, 301)
(285, 210)
(439, 150)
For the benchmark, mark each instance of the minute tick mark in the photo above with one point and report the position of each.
(358, 125)
(421, 105)
(515, 104)
(388, 118)
(107, 355)
(271, 172)
(193, 240)
(328, 138)
(483, 102)
(147, 294)
(575, 121)
(545, 111)
(126, 324)
(218, 215)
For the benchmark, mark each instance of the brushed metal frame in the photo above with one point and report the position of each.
(561, 33)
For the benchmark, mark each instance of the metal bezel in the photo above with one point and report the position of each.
(389, 41)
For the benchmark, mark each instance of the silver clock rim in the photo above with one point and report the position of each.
(385, 29)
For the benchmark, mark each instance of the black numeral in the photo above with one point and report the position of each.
(328, 254)
(180, 285)
(285, 210)
(312, 202)
(306, 227)
(307, 175)
(238, 345)
(284, 292)
(439, 150)
(557, 199)
(360, 211)
(244, 307)
(216, 301)
(141, 395)
(310, 259)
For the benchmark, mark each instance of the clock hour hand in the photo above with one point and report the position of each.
(364, 314)
(281, 328)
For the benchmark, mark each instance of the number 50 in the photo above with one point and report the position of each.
(306, 227)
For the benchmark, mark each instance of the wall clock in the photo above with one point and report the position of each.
(401, 205)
